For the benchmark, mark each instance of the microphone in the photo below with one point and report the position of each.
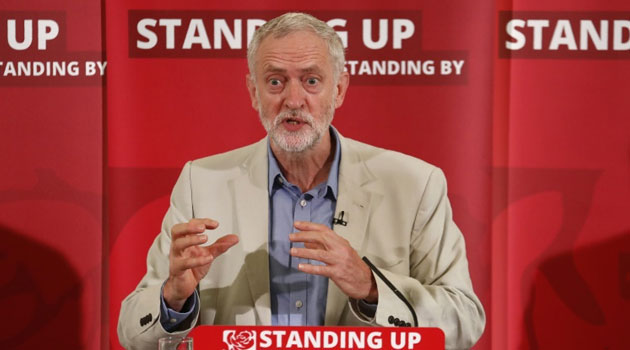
(339, 220)
(392, 287)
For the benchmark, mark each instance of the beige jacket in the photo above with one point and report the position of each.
(398, 216)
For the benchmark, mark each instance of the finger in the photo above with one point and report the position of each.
(193, 226)
(182, 242)
(222, 244)
(183, 264)
(309, 226)
(185, 229)
(209, 223)
(313, 254)
(313, 245)
(194, 251)
(307, 237)
(321, 270)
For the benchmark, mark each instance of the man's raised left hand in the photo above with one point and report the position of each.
(342, 263)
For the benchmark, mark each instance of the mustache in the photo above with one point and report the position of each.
(294, 114)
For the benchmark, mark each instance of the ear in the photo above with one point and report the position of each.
(341, 88)
(251, 87)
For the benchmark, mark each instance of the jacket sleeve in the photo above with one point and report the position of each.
(438, 286)
(139, 324)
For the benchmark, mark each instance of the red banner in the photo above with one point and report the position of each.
(317, 338)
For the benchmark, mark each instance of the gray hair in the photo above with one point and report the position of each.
(293, 22)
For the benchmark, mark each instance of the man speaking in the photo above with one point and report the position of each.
(291, 217)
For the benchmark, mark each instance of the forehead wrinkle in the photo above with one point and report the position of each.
(300, 51)
(293, 55)
(279, 63)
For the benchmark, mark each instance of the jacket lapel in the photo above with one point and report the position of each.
(252, 213)
(354, 200)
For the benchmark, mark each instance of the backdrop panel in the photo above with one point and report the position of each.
(566, 174)
(166, 106)
(51, 143)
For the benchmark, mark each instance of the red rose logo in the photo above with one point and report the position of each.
(242, 341)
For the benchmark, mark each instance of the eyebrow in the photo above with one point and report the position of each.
(273, 69)
(309, 69)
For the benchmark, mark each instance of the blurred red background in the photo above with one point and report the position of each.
(536, 151)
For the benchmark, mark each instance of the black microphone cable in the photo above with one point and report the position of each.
(393, 288)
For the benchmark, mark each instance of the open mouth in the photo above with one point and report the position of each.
(293, 124)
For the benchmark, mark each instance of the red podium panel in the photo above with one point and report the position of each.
(316, 338)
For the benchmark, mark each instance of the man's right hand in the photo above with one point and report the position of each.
(188, 262)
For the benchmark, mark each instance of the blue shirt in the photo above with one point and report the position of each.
(297, 298)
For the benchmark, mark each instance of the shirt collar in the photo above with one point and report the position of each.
(332, 183)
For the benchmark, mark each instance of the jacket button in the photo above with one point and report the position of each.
(408, 324)
(390, 319)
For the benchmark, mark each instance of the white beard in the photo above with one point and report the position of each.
(305, 138)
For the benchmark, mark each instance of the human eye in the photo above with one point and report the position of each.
(275, 83)
(312, 81)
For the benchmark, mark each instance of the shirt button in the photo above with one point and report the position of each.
(303, 202)
(172, 320)
(298, 304)
(280, 180)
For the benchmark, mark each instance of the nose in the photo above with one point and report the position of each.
(294, 95)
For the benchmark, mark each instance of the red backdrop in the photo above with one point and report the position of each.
(534, 142)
